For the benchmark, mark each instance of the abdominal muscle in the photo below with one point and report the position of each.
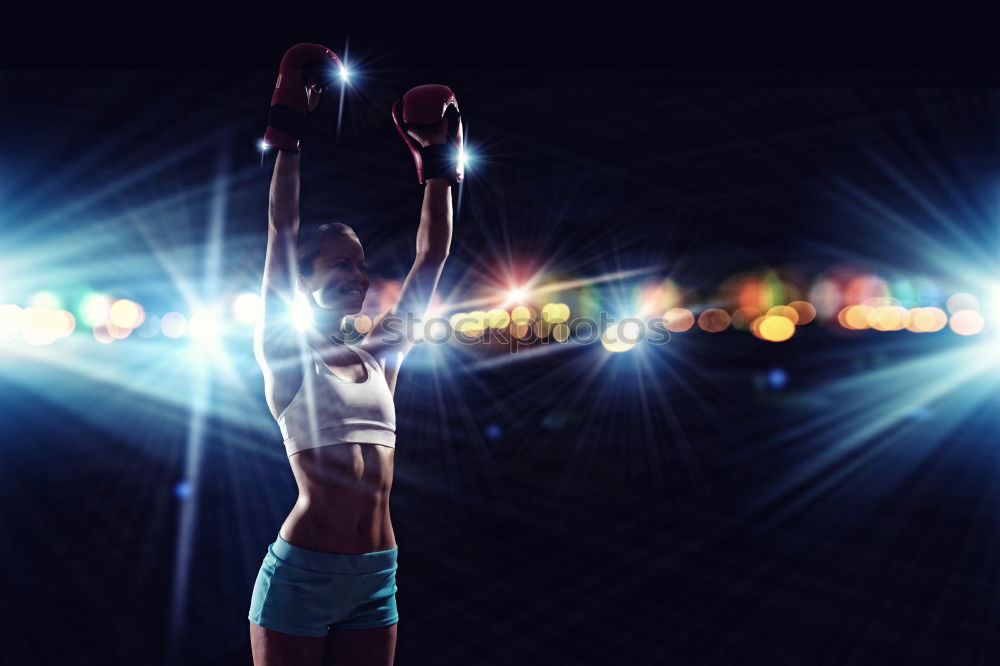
(343, 503)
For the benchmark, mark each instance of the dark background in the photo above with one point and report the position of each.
(663, 506)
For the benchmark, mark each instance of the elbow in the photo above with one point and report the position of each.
(432, 255)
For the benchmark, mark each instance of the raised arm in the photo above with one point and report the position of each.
(305, 70)
(275, 338)
(427, 117)
(433, 245)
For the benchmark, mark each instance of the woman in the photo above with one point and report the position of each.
(327, 584)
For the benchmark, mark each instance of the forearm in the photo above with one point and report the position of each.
(434, 232)
(283, 202)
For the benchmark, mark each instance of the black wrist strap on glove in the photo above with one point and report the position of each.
(439, 161)
(286, 119)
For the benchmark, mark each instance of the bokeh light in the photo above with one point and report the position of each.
(173, 324)
(864, 287)
(150, 327)
(926, 320)
(555, 313)
(775, 328)
(117, 332)
(520, 315)
(94, 309)
(856, 317)
(125, 313)
(678, 320)
(101, 335)
(805, 310)
(476, 322)
(362, 324)
(825, 296)
(888, 318)
(43, 326)
(784, 311)
(962, 301)
(499, 318)
(713, 320)
(743, 317)
(46, 300)
(966, 322)
(610, 340)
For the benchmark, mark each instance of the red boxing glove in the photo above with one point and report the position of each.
(301, 66)
(428, 105)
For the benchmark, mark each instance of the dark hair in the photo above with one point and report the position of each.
(312, 240)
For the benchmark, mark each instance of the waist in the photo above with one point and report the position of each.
(340, 527)
(334, 562)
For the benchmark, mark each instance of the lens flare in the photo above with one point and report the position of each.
(204, 325)
(517, 295)
(246, 308)
(302, 314)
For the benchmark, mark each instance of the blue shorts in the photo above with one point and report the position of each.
(307, 592)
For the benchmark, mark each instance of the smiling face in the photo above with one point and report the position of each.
(339, 278)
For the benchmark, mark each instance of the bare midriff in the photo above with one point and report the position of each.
(343, 503)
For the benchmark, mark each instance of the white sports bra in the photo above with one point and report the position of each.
(342, 411)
